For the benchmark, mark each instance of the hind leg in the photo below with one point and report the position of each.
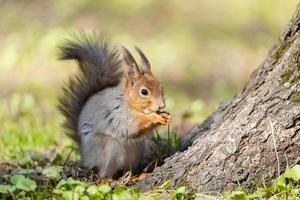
(101, 151)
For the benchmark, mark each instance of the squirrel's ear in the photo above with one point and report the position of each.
(146, 67)
(134, 70)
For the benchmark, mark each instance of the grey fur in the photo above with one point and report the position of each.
(99, 68)
(110, 144)
(96, 112)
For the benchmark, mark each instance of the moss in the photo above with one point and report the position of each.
(296, 56)
(286, 76)
(295, 97)
(282, 48)
(289, 78)
(298, 66)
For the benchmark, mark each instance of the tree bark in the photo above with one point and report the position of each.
(252, 137)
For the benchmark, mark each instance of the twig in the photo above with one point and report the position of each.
(287, 161)
(169, 140)
(46, 189)
(275, 147)
(157, 134)
(12, 195)
(66, 161)
(147, 167)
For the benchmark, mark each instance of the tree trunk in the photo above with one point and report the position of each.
(254, 136)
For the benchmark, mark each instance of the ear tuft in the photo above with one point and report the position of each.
(134, 70)
(129, 59)
(146, 67)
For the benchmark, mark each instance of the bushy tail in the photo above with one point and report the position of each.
(99, 68)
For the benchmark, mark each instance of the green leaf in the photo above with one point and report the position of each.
(104, 188)
(293, 173)
(92, 190)
(70, 195)
(124, 195)
(79, 189)
(53, 172)
(23, 183)
(84, 198)
(71, 182)
(57, 191)
(238, 195)
(181, 189)
(179, 193)
(280, 181)
(295, 192)
(61, 183)
(5, 189)
(142, 197)
(166, 184)
(259, 193)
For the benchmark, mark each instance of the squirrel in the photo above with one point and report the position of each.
(111, 105)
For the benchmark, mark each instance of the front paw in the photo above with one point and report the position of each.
(163, 118)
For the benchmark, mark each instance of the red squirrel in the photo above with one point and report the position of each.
(111, 105)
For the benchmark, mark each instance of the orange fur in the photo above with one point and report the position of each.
(147, 123)
(133, 92)
(145, 107)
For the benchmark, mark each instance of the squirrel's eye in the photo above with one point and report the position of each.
(144, 92)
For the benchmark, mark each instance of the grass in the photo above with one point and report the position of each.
(26, 125)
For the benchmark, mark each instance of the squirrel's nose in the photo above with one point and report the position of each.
(162, 104)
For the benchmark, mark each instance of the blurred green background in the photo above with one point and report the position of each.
(202, 51)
